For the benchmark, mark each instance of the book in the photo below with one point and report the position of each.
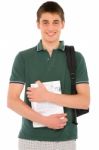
(46, 108)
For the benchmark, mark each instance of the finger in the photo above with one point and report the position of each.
(29, 97)
(28, 93)
(61, 126)
(64, 120)
(29, 89)
(39, 83)
(31, 100)
(61, 115)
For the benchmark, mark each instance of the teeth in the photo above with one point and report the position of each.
(51, 34)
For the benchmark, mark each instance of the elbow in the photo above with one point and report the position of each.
(9, 103)
(85, 107)
(86, 103)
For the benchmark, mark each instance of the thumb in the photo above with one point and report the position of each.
(39, 83)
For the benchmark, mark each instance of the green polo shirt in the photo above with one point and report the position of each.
(36, 64)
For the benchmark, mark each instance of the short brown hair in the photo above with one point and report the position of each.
(51, 7)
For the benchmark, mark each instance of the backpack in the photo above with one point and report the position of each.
(71, 63)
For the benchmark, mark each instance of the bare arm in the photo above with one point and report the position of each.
(81, 100)
(16, 104)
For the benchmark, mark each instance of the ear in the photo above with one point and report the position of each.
(38, 24)
(63, 24)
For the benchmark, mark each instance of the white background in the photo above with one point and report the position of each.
(18, 32)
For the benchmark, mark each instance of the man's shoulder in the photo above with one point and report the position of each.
(79, 55)
(27, 52)
(80, 59)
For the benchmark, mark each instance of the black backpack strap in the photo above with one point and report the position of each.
(71, 62)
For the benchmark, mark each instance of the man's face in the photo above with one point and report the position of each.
(50, 25)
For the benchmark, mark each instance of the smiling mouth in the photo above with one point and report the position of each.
(51, 34)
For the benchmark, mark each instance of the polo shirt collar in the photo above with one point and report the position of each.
(61, 46)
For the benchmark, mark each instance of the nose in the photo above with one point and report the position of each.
(50, 27)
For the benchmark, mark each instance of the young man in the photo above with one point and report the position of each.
(44, 63)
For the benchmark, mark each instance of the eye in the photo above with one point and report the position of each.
(45, 22)
(56, 22)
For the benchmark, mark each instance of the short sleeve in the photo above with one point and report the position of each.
(18, 70)
(81, 70)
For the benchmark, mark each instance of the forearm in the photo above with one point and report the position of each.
(79, 101)
(21, 108)
(53, 121)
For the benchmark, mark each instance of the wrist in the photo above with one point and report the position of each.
(43, 120)
(49, 96)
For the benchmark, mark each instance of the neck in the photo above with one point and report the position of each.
(49, 46)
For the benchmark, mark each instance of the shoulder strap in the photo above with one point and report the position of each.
(71, 62)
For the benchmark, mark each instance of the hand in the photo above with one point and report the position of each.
(38, 94)
(56, 121)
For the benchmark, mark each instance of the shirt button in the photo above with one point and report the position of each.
(47, 59)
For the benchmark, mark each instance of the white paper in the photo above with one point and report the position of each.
(46, 108)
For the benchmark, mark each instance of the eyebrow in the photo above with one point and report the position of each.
(45, 20)
(56, 20)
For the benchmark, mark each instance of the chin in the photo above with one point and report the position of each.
(51, 39)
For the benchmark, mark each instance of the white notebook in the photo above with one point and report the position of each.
(46, 108)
